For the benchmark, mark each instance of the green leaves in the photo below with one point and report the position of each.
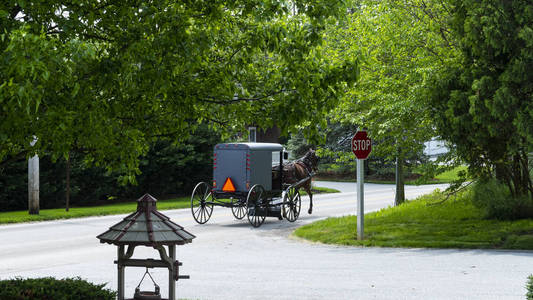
(400, 49)
(487, 98)
(108, 78)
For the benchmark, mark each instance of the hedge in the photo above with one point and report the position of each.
(49, 288)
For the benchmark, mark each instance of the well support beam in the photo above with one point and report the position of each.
(144, 263)
(171, 271)
(120, 266)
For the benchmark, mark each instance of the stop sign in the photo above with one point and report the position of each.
(361, 145)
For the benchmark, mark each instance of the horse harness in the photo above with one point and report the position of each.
(305, 166)
(306, 163)
(289, 170)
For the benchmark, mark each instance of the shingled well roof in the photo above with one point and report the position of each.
(147, 227)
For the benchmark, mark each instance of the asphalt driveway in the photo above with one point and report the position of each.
(231, 260)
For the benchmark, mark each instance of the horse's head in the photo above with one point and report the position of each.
(312, 159)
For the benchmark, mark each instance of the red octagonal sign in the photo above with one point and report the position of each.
(361, 145)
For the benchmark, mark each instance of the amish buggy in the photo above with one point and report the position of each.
(253, 180)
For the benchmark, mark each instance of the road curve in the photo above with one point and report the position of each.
(231, 260)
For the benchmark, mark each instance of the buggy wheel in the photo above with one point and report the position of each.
(256, 205)
(238, 208)
(292, 203)
(201, 203)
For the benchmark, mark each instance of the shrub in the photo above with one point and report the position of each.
(529, 287)
(167, 170)
(495, 199)
(49, 288)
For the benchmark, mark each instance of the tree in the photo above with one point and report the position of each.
(167, 170)
(401, 43)
(332, 150)
(337, 158)
(484, 103)
(107, 77)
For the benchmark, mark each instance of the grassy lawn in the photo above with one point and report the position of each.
(455, 223)
(111, 209)
(319, 190)
(451, 175)
(78, 212)
(445, 177)
(407, 182)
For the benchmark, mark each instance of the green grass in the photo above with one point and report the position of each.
(445, 177)
(407, 182)
(451, 175)
(111, 209)
(319, 190)
(78, 212)
(455, 223)
(336, 179)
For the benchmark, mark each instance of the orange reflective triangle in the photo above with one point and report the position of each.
(228, 186)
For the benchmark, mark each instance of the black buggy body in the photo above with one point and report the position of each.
(247, 177)
(246, 165)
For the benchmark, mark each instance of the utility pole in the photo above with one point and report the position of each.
(33, 185)
(33, 182)
(67, 193)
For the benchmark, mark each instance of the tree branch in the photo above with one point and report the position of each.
(13, 158)
(451, 193)
(15, 11)
(211, 99)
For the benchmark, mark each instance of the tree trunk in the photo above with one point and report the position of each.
(400, 189)
(515, 174)
(67, 195)
(521, 177)
(525, 169)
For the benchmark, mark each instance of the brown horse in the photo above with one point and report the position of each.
(300, 169)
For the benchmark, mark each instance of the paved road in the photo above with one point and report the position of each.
(230, 260)
(349, 187)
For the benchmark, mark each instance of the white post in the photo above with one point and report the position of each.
(360, 199)
(33, 185)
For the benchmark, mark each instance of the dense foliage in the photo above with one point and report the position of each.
(166, 170)
(53, 289)
(497, 202)
(483, 104)
(107, 77)
(338, 161)
(400, 44)
(469, 58)
(105, 80)
(529, 287)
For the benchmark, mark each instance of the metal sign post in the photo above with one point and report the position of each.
(361, 148)
(360, 199)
